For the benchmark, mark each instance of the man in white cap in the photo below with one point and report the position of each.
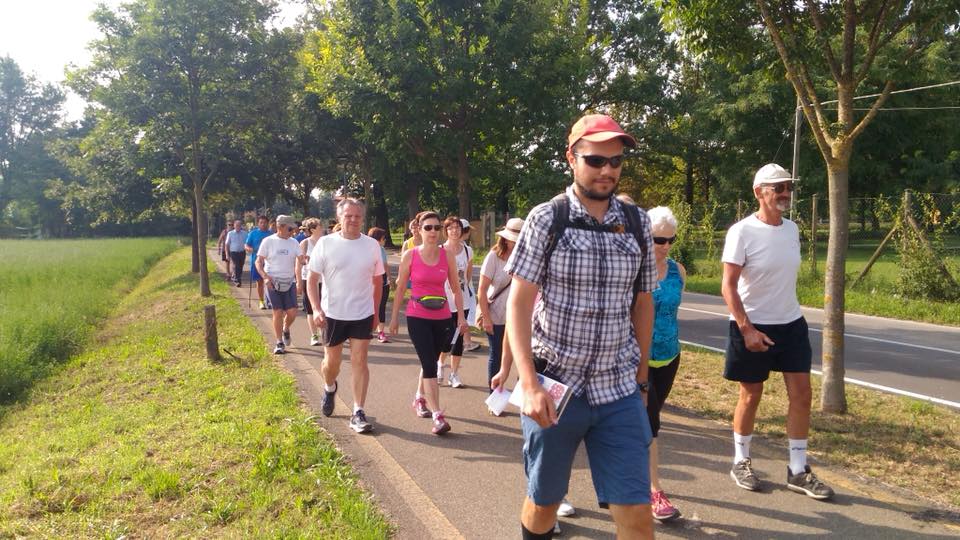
(591, 331)
(767, 331)
(276, 262)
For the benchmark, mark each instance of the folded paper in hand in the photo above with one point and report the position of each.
(559, 392)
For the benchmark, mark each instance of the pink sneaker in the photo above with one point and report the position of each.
(663, 510)
(420, 408)
(440, 425)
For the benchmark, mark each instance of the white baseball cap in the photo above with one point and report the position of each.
(771, 173)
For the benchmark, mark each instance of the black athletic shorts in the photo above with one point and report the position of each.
(306, 298)
(790, 352)
(336, 332)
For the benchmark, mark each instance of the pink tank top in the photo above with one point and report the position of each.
(427, 280)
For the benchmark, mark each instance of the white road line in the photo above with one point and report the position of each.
(857, 382)
(856, 336)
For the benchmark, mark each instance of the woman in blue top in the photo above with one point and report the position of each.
(665, 348)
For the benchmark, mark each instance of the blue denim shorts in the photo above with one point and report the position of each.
(617, 437)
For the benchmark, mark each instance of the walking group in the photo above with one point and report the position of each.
(584, 292)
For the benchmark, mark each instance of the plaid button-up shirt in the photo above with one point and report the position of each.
(582, 325)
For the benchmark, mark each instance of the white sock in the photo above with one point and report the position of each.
(330, 387)
(418, 395)
(741, 446)
(798, 455)
(356, 408)
(436, 414)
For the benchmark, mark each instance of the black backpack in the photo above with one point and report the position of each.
(561, 221)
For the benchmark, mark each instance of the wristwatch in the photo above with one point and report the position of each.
(644, 387)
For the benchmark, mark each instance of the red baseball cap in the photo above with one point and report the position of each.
(598, 128)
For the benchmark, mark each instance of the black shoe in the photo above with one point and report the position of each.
(358, 422)
(808, 484)
(742, 474)
(238, 284)
(326, 406)
(279, 349)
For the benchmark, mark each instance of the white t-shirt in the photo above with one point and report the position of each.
(305, 270)
(347, 268)
(770, 257)
(463, 258)
(493, 268)
(280, 256)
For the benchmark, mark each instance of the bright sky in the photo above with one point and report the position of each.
(43, 36)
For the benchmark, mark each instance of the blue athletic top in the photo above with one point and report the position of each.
(666, 302)
(254, 238)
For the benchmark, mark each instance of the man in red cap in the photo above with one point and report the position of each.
(591, 331)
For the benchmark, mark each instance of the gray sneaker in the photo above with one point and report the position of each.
(808, 484)
(326, 406)
(742, 474)
(358, 422)
(286, 337)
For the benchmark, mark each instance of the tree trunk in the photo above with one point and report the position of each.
(380, 217)
(463, 183)
(194, 250)
(413, 197)
(202, 238)
(688, 173)
(833, 396)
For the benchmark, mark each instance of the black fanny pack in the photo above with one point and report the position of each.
(432, 302)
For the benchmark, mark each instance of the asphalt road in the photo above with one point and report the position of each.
(918, 358)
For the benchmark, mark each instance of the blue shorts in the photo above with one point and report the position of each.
(617, 437)
(254, 276)
(282, 300)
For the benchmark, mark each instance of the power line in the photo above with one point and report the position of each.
(904, 91)
(903, 108)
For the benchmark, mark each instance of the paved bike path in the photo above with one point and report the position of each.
(470, 483)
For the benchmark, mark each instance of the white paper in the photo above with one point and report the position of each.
(555, 389)
(497, 400)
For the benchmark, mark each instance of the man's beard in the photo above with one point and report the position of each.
(783, 205)
(593, 194)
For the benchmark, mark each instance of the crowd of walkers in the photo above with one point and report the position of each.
(584, 292)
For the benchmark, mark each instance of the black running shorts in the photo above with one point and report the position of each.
(790, 353)
(336, 332)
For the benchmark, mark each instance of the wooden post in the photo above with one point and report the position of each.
(739, 209)
(875, 256)
(210, 332)
(813, 234)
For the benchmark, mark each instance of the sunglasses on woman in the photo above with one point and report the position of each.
(661, 240)
(429, 228)
(597, 162)
(780, 187)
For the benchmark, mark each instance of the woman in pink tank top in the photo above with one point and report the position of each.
(428, 267)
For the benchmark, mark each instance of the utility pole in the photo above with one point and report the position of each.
(797, 118)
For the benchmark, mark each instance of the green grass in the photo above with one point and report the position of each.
(875, 295)
(140, 436)
(897, 440)
(53, 293)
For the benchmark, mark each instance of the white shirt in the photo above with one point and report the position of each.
(305, 270)
(280, 256)
(770, 257)
(493, 267)
(347, 268)
(463, 258)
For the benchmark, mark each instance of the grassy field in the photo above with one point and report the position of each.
(895, 440)
(140, 436)
(876, 295)
(54, 292)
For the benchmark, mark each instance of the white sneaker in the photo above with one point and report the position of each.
(454, 380)
(315, 340)
(566, 509)
(556, 528)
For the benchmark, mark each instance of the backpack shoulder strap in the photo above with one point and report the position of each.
(561, 219)
(635, 226)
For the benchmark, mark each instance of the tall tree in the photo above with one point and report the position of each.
(185, 73)
(28, 109)
(833, 50)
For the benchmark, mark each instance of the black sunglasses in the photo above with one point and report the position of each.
(780, 187)
(597, 162)
(661, 240)
(429, 228)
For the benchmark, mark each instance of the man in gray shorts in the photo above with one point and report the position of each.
(767, 332)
